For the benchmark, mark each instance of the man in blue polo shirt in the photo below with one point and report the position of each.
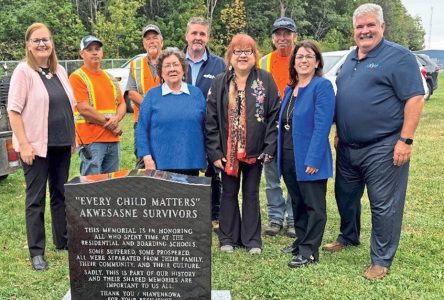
(378, 107)
(204, 66)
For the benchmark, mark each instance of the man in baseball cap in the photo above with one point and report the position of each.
(151, 27)
(100, 108)
(284, 23)
(87, 40)
(142, 74)
(283, 36)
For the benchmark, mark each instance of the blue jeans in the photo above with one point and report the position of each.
(105, 159)
(276, 203)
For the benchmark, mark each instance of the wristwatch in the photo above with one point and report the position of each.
(406, 140)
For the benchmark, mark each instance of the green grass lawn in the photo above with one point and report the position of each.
(417, 271)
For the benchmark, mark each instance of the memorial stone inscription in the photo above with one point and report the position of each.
(139, 237)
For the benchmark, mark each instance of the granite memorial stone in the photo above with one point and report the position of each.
(139, 235)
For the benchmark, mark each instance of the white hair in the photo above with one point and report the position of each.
(369, 9)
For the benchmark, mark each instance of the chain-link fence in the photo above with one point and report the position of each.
(7, 67)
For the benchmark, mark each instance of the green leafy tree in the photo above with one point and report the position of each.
(332, 41)
(119, 22)
(233, 20)
(117, 27)
(260, 17)
(174, 17)
(87, 11)
(59, 16)
(415, 34)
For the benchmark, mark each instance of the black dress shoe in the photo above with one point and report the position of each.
(300, 261)
(291, 250)
(39, 263)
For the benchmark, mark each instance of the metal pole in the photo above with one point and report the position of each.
(430, 28)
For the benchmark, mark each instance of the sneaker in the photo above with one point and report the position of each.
(273, 229)
(227, 249)
(291, 232)
(255, 251)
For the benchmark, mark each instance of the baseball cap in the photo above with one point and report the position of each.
(285, 23)
(151, 27)
(87, 40)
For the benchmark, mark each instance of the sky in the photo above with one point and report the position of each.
(422, 8)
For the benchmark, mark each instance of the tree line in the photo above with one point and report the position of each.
(119, 22)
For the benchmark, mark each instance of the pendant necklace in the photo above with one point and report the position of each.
(289, 112)
(47, 75)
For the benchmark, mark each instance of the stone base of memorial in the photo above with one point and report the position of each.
(139, 235)
(215, 295)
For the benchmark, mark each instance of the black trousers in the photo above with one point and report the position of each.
(234, 229)
(216, 190)
(371, 167)
(309, 208)
(54, 169)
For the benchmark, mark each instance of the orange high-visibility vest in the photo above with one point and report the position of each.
(140, 70)
(264, 63)
(92, 97)
(278, 67)
(104, 96)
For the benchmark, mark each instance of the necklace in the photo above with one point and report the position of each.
(289, 112)
(47, 75)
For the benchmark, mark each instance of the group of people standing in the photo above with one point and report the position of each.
(195, 111)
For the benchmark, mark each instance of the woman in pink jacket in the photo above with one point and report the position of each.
(40, 110)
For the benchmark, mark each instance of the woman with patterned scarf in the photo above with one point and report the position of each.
(241, 133)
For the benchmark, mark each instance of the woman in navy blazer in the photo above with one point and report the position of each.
(304, 154)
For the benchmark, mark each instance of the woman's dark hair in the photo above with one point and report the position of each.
(307, 45)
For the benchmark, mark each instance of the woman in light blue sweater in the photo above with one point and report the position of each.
(170, 131)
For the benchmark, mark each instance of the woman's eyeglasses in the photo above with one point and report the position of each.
(45, 41)
(307, 57)
(238, 52)
(173, 66)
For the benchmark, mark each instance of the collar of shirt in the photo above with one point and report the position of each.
(372, 53)
(195, 66)
(183, 89)
(202, 59)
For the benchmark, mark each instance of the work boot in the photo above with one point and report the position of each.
(273, 229)
(291, 232)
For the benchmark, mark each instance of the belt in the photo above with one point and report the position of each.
(368, 143)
